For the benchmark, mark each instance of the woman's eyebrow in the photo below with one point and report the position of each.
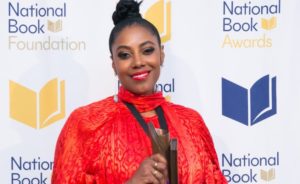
(141, 45)
(146, 42)
(123, 47)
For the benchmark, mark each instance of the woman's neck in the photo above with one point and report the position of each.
(148, 114)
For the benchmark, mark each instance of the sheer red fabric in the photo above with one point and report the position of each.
(102, 143)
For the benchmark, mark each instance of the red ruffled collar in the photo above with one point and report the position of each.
(143, 103)
(146, 103)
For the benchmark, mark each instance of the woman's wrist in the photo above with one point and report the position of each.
(128, 182)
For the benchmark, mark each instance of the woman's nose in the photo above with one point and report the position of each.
(138, 61)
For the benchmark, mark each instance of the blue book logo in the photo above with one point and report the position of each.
(249, 107)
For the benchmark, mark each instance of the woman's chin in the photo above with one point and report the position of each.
(143, 91)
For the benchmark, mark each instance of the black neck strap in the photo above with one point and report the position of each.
(140, 119)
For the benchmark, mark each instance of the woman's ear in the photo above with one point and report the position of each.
(113, 65)
(162, 55)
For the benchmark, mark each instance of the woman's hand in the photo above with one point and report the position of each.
(152, 170)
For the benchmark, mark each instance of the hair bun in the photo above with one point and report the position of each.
(126, 9)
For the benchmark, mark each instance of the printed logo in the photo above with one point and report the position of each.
(167, 88)
(32, 170)
(269, 24)
(159, 14)
(267, 175)
(18, 11)
(55, 26)
(248, 168)
(37, 110)
(252, 18)
(31, 26)
(249, 106)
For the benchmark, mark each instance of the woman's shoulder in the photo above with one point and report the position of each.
(95, 114)
(183, 111)
(96, 106)
(91, 109)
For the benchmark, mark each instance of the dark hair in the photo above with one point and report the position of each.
(126, 14)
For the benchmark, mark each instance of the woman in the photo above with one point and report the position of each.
(105, 143)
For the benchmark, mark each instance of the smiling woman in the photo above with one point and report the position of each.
(107, 142)
(137, 57)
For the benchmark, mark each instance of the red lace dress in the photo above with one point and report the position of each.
(102, 143)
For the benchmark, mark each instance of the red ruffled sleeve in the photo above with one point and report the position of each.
(69, 165)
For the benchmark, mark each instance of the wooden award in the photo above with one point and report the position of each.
(162, 144)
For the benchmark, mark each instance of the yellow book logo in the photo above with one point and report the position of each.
(269, 24)
(37, 110)
(55, 26)
(168, 98)
(267, 175)
(159, 15)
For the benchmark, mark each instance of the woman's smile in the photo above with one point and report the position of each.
(140, 75)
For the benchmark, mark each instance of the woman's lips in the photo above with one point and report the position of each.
(140, 75)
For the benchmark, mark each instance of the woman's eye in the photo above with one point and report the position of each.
(149, 51)
(123, 55)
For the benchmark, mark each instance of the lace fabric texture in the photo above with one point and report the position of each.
(103, 143)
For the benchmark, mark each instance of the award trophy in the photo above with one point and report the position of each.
(162, 144)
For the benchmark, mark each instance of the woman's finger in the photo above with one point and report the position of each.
(152, 180)
(160, 166)
(158, 175)
(158, 158)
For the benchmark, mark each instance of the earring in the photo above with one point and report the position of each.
(116, 99)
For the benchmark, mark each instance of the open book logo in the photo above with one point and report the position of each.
(168, 98)
(159, 14)
(269, 24)
(267, 175)
(249, 107)
(55, 26)
(37, 110)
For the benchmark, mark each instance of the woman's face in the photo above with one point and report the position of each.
(137, 57)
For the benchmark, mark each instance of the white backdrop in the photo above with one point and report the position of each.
(55, 58)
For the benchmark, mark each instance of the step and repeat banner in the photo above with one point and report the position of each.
(236, 62)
